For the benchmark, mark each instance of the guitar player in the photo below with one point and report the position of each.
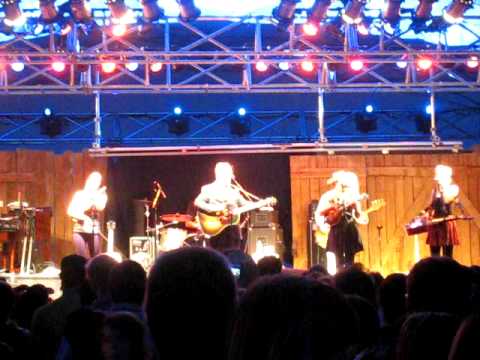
(84, 210)
(342, 202)
(223, 196)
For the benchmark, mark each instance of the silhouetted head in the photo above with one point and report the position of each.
(124, 338)
(98, 273)
(355, 282)
(83, 331)
(7, 300)
(439, 284)
(190, 301)
(367, 320)
(466, 344)
(392, 297)
(269, 265)
(242, 266)
(286, 317)
(426, 336)
(127, 283)
(72, 271)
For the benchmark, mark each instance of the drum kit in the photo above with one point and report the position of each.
(170, 231)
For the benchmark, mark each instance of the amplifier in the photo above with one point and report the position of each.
(142, 250)
(266, 241)
(263, 218)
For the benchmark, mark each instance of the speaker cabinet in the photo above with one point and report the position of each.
(259, 218)
(271, 237)
(142, 250)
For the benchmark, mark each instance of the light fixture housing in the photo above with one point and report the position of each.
(80, 11)
(48, 11)
(391, 12)
(353, 13)
(188, 10)
(13, 14)
(284, 13)
(424, 10)
(151, 10)
(455, 11)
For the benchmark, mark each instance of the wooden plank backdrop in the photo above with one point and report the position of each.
(45, 179)
(405, 182)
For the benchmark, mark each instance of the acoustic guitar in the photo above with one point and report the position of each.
(214, 223)
(334, 214)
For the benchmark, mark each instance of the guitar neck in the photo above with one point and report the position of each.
(250, 207)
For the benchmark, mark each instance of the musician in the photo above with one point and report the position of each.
(222, 195)
(445, 194)
(84, 209)
(343, 236)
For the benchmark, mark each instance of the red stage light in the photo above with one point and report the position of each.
(310, 29)
(119, 30)
(424, 63)
(473, 62)
(307, 66)
(261, 66)
(58, 66)
(108, 67)
(156, 67)
(356, 65)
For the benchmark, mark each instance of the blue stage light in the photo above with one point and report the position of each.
(369, 108)
(428, 109)
(177, 110)
(47, 112)
(242, 111)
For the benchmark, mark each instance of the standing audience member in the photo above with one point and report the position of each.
(49, 321)
(15, 342)
(286, 317)
(98, 276)
(33, 298)
(190, 303)
(439, 284)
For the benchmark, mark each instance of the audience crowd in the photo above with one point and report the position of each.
(197, 303)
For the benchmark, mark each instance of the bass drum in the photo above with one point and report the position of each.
(172, 238)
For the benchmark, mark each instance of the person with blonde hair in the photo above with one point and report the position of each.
(443, 236)
(337, 214)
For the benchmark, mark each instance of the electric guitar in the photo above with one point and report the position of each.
(333, 214)
(214, 223)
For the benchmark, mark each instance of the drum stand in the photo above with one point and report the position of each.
(27, 246)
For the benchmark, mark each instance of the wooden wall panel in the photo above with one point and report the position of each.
(45, 179)
(405, 182)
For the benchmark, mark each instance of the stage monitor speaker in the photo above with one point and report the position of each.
(262, 218)
(269, 236)
(142, 250)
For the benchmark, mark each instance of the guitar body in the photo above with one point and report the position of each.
(214, 224)
(333, 214)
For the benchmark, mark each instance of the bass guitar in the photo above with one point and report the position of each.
(213, 223)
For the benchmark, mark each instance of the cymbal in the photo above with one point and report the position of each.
(176, 218)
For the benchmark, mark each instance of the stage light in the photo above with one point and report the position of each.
(119, 30)
(108, 67)
(356, 65)
(177, 110)
(472, 62)
(428, 109)
(455, 11)
(424, 63)
(48, 11)
(178, 124)
(284, 13)
(188, 10)
(385, 151)
(315, 15)
(118, 10)
(58, 66)
(156, 67)
(310, 29)
(354, 11)
(13, 15)
(363, 29)
(307, 66)
(424, 10)
(80, 11)
(369, 108)
(391, 12)
(261, 66)
(365, 122)
(47, 112)
(242, 111)
(131, 66)
(151, 11)
(284, 65)
(17, 66)
(402, 64)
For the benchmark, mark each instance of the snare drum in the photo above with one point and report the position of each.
(172, 238)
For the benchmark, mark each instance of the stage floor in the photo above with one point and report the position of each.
(50, 281)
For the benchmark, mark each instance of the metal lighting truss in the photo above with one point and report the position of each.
(197, 59)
